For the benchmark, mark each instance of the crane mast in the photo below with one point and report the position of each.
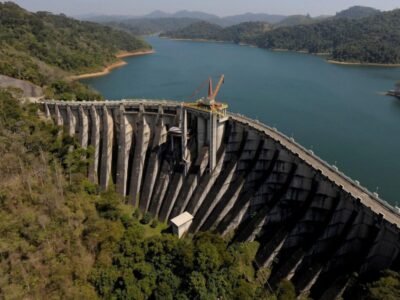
(209, 103)
(216, 91)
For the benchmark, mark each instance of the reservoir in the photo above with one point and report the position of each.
(337, 111)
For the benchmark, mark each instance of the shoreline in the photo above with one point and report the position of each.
(107, 70)
(135, 53)
(336, 62)
(197, 40)
(331, 61)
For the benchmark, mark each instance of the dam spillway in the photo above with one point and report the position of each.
(241, 178)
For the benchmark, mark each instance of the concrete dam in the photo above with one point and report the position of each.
(242, 179)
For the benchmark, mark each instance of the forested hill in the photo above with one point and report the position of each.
(374, 39)
(242, 33)
(357, 12)
(146, 26)
(42, 47)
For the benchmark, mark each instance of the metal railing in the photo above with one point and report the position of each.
(353, 183)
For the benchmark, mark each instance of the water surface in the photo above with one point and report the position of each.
(337, 111)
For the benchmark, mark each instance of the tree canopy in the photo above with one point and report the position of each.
(371, 39)
(242, 33)
(60, 237)
(43, 48)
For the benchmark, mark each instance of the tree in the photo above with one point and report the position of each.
(387, 287)
(286, 291)
(146, 218)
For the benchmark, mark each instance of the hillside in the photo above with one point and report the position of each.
(295, 20)
(242, 33)
(357, 12)
(146, 26)
(161, 22)
(44, 48)
(198, 30)
(251, 17)
(373, 39)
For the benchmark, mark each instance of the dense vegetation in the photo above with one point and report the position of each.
(296, 20)
(357, 12)
(43, 48)
(242, 33)
(61, 238)
(149, 26)
(373, 39)
(159, 21)
(161, 25)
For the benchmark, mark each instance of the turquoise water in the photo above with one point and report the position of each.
(338, 111)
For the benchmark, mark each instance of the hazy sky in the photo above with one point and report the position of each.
(219, 7)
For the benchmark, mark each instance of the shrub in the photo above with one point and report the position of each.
(146, 219)
(136, 214)
(154, 224)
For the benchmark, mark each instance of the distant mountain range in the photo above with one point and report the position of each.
(185, 14)
(159, 21)
(356, 35)
(180, 14)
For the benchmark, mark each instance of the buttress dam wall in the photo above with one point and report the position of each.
(241, 178)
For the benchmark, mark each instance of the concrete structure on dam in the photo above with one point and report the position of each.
(240, 178)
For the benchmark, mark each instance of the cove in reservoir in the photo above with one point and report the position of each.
(337, 111)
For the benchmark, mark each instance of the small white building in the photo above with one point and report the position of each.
(181, 224)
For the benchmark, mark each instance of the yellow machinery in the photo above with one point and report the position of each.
(208, 103)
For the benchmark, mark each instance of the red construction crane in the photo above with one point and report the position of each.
(208, 103)
(213, 94)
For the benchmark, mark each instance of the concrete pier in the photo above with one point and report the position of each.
(154, 163)
(83, 127)
(142, 139)
(107, 137)
(57, 116)
(124, 149)
(95, 144)
(71, 122)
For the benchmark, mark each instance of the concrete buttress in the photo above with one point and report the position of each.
(107, 145)
(124, 149)
(95, 144)
(142, 139)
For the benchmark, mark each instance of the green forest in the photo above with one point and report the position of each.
(242, 33)
(371, 39)
(44, 49)
(61, 238)
(148, 26)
